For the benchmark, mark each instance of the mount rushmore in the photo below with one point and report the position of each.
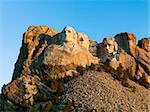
(65, 71)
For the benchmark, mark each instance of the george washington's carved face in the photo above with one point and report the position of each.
(69, 34)
(83, 41)
(69, 37)
(110, 46)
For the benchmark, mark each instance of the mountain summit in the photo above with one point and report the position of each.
(66, 72)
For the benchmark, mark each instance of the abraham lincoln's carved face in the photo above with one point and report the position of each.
(110, 46)
(83, 41)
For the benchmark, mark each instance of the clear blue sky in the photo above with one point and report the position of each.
(98, 19)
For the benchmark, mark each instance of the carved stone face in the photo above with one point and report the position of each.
(69, 34)
(110, 46)
(83, 41)
(69, 37)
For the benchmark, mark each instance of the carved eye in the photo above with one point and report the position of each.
(107, 45)
(130, 39)
(81, 39)
(69, 31)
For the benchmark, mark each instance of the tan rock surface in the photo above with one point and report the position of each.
(127, 41)
(116, 58)
(33, 43)
(83, 41)
(144, 44)
(58, 55)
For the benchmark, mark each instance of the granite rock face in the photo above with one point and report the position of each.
(33, 43)
(127, 41)
(65, 71)
(144, 44)
(116, 59)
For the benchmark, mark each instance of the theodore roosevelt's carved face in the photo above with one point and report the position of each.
(83, 41)
(110, 46)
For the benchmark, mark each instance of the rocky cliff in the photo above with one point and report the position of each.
(66, 72)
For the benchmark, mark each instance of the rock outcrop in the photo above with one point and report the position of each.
(127, 41)
(144, 44)
(33, 43)
(66, 72)
(116, 58)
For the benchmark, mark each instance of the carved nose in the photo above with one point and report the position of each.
(107, 47)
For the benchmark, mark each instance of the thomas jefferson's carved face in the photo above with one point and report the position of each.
(110, 46)
(83, 41)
